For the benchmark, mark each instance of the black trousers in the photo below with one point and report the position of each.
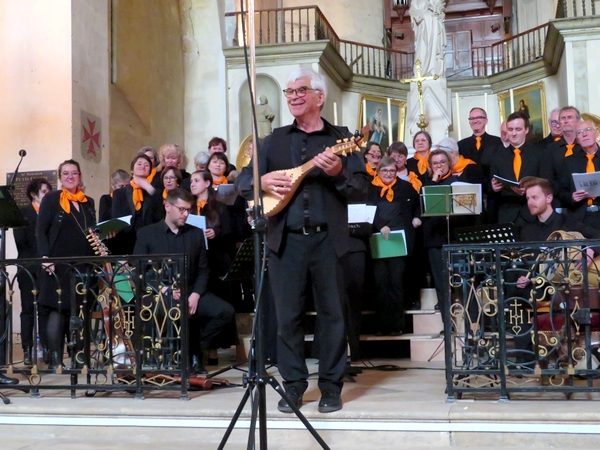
(303, 259)
(27, 283)
(438, 273)
(354, 276)
(389, 280)
(213, 325)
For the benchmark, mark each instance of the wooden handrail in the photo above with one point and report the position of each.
(289, 8)
(539, 27)
(385, 49)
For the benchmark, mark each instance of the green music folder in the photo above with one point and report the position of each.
(437, 200)
(395, 245)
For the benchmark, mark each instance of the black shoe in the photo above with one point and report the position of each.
(416, 306)
(295, 397)
(27, 361)
(6, 380)
(197, 367)
(55, 360)
(330, 401)
(213, 361)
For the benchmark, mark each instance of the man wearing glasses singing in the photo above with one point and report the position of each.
(480, 145)
(212, 319)
(555, 131)
(585, 209)
(308, 237)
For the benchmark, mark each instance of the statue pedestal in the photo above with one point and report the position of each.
(435, 102)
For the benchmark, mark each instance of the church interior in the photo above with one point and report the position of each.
(96, 80)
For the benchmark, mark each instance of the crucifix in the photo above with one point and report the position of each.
(419, 80)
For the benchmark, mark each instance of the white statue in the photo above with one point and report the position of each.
(264, 116)
(427, 19)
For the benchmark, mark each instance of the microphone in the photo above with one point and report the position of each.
(22, 154)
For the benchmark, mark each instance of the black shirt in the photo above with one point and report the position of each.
(539, 231)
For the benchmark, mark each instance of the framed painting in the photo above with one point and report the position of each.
(376, 109)
(532, 101)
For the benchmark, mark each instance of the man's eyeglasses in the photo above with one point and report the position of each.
(181, 209)
(388, 171)
(300, 92)
(471, 119)
(554, 123)
(585, 130)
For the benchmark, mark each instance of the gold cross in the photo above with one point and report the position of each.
(419, 80)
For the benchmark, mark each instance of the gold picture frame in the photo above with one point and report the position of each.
(373, 104)
(532, 100)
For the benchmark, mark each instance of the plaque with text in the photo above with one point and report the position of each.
(23, 179)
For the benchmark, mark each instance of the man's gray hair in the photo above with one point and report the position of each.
(317, 81)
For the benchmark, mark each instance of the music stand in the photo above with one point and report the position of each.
(10, 217)
(445, 201)
(241, 268)
(487, 234)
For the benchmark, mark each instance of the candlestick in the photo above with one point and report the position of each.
(389, 105)
(364, 108)
(459, 134)
(335, 117)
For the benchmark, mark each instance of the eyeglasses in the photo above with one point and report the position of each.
(300, 92)
(374, 155)
(69, 174)
(181, 209)
(585, 130)
(554, 122)
(169, 178)
(388, 171)
(471, 119)
(439, 163)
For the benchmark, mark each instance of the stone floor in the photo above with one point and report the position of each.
(383, 409)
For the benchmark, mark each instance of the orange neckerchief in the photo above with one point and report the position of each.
(66, 197)
(557, 138)
(370, 171)
(36, 208)
(201, 204)
(218, 181)
(386, 189)
(445, 176)
(569, 151)
(422, 162)
(151, 176)
(138, 196)
(463, 162)
(589, 168)
(164, 193)
(414, 180)
(111, 195)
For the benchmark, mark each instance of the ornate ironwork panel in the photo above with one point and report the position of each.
(127, 329)
(522, 317)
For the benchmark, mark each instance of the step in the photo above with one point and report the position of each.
(426, 322)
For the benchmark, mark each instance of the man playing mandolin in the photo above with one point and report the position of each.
(307, 238)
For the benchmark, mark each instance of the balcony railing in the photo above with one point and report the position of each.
(518, 50)
(576, 8)
(306, 24)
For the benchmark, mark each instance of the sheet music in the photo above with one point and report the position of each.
(361, 213)
(198, 222)
(588, 182)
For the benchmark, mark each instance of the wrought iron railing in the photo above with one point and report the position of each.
(518, 50)
(522, 318)
(576, 8)
(307, 23)
(126, 332)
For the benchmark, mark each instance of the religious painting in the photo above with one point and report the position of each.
(374, 112)
(530, 100)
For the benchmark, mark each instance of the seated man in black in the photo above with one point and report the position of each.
(212, 320)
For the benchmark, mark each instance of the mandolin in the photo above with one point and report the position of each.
(273, 205)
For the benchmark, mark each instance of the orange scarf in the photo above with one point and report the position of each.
(164, 194)
(386, 189)
(422, 162)
(66, 198)
(462, 163)
(151, 176)
(201, 204)
(36, 208)
(370, 171)
(445, 176)
(138, 196)
(414, 180)
(218, 181)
